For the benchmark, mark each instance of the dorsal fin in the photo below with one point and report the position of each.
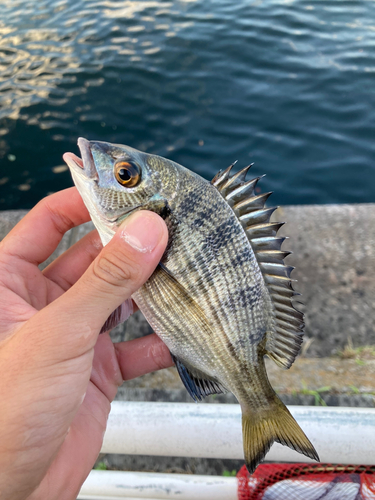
(284, 342)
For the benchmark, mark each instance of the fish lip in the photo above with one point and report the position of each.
(74, 163)
(86, 166)
(87, 159)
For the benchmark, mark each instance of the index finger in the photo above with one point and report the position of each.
(37, 235)
(143, 355)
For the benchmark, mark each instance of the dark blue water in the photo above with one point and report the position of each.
(287, 84)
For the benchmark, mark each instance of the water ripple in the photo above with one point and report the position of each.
(287, 84)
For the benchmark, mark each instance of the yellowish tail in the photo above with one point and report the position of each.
(276, 424)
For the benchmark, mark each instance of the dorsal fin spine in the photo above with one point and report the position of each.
(276, 269)
(267, 243)
(279, 299)
(282, 350)
(272, 279)
(222, 176)
(237, 193)
(272, 256)
(287, 324)
(252, 203)
(290, 309)
(264, 229)
(257, 216)
(288, 334)
(297, 322)
(237, 179)
(284, 340)
(281, 291)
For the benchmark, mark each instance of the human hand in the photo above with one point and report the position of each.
(58, 376)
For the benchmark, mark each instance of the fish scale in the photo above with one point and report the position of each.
(221, 297)
(238, 316)
(214, 300)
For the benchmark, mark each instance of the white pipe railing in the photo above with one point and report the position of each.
(130, 485)
(340, 435)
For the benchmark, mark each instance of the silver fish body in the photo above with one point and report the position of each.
(221, 298)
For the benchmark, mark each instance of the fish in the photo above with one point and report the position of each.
(221, 298)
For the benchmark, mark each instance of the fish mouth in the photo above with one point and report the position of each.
(85, 166)
(84, 170)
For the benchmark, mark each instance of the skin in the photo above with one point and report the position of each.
(58, 376)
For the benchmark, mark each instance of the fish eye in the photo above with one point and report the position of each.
(127, 173)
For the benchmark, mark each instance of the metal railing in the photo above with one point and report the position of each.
(340, 435)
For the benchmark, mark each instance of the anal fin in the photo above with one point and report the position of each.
(198, 384)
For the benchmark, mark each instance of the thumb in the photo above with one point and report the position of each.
(121, 268)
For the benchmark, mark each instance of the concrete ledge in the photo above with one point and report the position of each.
(334, 256)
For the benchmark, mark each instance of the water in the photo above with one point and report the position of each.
(286, 84)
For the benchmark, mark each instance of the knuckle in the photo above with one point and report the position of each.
(115, 270)
(61, 222)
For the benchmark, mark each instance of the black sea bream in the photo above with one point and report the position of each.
(221, 297)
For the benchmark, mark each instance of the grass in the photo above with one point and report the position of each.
(359, 354)
(228, 473)
(100, 466)
(319, 401)
(354, 389)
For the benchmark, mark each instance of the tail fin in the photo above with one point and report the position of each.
(259, 433)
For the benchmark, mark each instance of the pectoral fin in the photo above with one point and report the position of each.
(171, 294)
(118, 316)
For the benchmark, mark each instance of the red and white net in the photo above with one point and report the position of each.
(307, 482)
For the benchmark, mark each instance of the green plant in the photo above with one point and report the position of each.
(360, 362)
(354, 389)
(100, 466)
(319, 401)
(228, 473)
(358, 353)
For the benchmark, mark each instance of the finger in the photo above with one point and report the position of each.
(106, 373)
(37, 235)
(140, 356)
(70, 266)
(115, 363)
(74, 320)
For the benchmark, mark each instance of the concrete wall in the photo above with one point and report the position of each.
(334, 256)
